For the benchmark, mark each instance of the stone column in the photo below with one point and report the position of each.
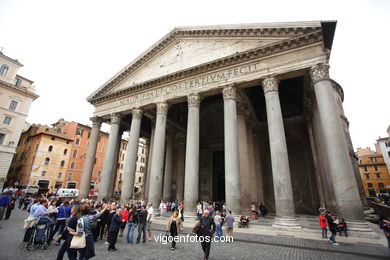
(156, 174)
(109, 158)
(341, 172)
(252, 167)
(86, 177)
(180, 166)
(191, 182)
(149, 161)
(115, 164)
(245, 178)
(131, 157)
(167, 188)
(284, 201)
(258, 160)
(232, 167)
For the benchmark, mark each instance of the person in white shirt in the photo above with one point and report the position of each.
(149, 222)
(163, 209)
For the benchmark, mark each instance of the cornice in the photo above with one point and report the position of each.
(20, 90)
(297, 37)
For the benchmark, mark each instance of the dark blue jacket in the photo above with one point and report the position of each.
(115, 223)
(4, 201)
(63, 212)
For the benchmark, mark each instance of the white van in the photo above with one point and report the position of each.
(31, 189)
(67, 193)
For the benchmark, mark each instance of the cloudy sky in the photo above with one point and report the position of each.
(70, 48)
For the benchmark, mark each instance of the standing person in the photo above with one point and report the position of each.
(67, 235)
(218, 225)
(332, 228)
(174, 227)
(98, 223)
(199, 210)
(149, 222)
(161, 208)
(181, 210)
(142, 218)
(323, 225)
(84, 225)
(10, 206)
(132, 223)
(115, 226)
(4, 201)
(229, 219)
(125, 217)
(384, 224)
(103, 222)
(63, 212)
(109, 219)
(263, 210)
(206, 232)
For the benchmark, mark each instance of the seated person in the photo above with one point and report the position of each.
(244, 221)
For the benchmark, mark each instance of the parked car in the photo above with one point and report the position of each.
(67, 193)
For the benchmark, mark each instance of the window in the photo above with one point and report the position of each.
(367, 175)
(365, 169)
(50, 148)
(89, 134)
(77, 141)
(378, 175)
(47, 161)
(123, 157)
(388, 153)
(143, 151)
(58, 185)
(62, 164)
(380, 185)
(99, 174)
(141, 169)
(4, 70)
(43, 184)
(94, 161)
(18, 82)
(139, 179)
(7, 120)
(376, 168)
(72, 164)
(124, 146)
(43, 173)
(71, 185)
(143, 159)
(65, 151)
(79, 132)
(53, 138)
(373, 159)
(387, 144)
(70, 176)
(13, 105)
(74, 155)
(2, 138)
(59, 175)
(369, 185)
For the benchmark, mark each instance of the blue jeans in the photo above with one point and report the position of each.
(333, 236)
(324, 233)
(218, 231)
(130, 232)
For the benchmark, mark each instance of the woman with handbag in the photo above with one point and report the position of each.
(68, 234)
(174, 227)
(83, 240)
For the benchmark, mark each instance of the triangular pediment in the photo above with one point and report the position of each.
(185, 48)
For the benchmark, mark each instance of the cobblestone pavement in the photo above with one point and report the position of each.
(12, 233)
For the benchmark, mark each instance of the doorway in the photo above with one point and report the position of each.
(218, 176)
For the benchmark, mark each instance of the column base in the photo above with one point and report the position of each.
(286, 223)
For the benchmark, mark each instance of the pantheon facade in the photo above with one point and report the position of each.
(239, 113)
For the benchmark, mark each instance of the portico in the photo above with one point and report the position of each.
(239, 113)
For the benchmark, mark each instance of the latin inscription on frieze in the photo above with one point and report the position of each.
(192, 83)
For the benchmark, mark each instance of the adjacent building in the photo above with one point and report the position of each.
(42, 158)
(54, 157)
(16, 95)
(383, 145)
(373, 171)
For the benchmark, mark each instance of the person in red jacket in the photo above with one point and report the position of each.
(323, 225)
(125, 216)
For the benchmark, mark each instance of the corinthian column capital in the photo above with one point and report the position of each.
(270, 84)
(96, 121)
(162, 108)
(319, 72)
(116, 118)
(229, 92)
(137, 113)
(193, 100)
